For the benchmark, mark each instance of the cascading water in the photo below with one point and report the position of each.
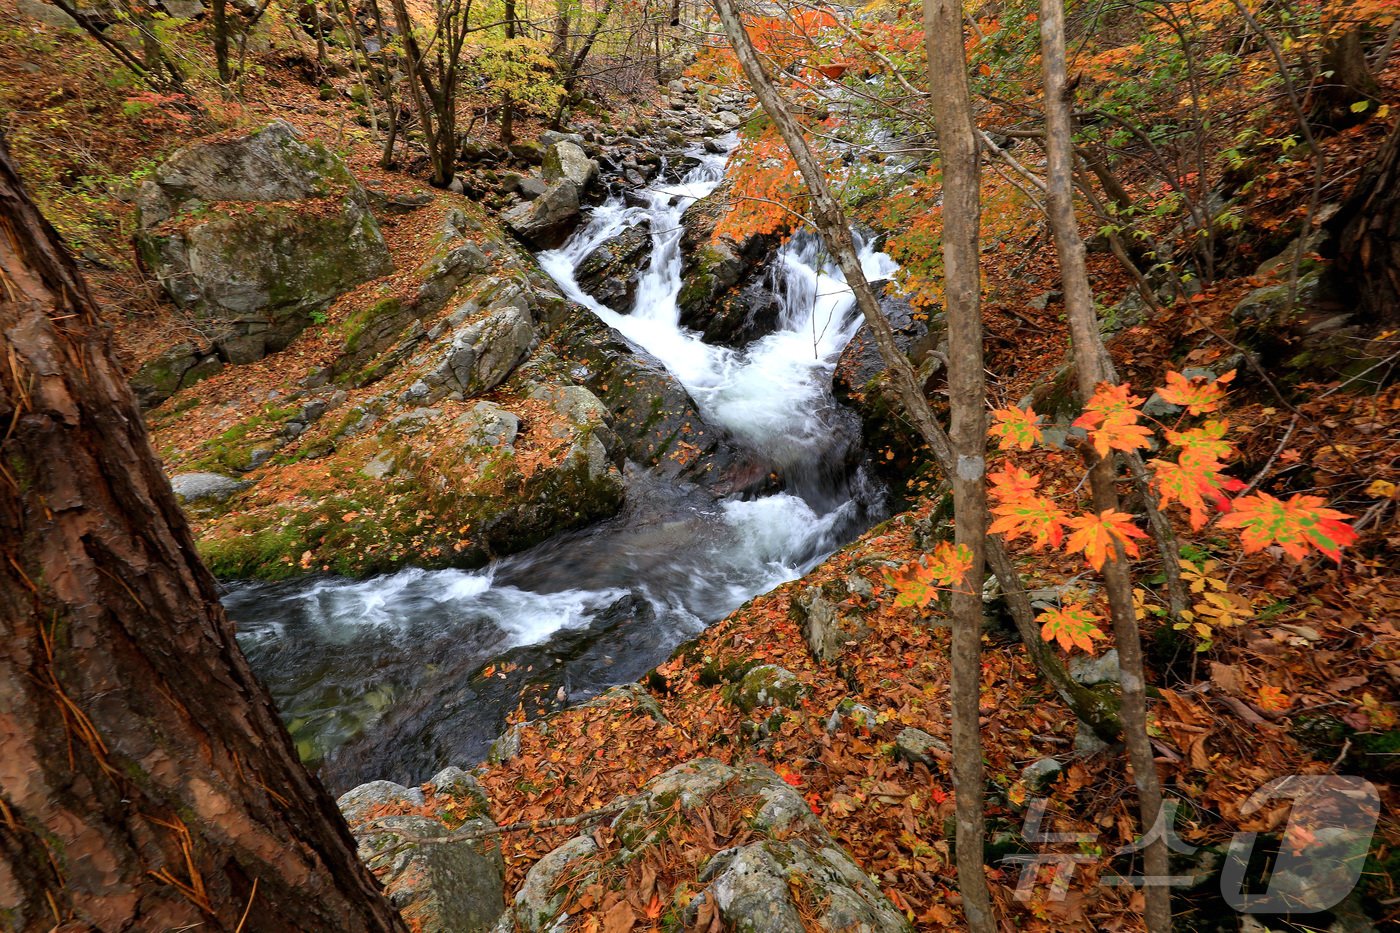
(388, 678)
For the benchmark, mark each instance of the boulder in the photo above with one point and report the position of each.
(481, 355)
(438, 887)
(852, 712)
(861, 363)
(654, 417)
(567, 161)
(751, 883)
(711, 269)
(610, 273)
(918, 747)
(195, 489)
(1039, 775)
(547, 221)
(455, 260)
(1091, 671)
(861, 382)
(256, 233)
(829, 631)
(768, 686)
(179, 367)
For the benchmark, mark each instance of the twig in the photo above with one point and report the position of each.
(408, 839)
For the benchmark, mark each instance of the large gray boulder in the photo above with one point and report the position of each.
(205, 489)
(481, 355)
(746, 886)
(611, 272)
(547, 221)
(567, 160)
(256, 233)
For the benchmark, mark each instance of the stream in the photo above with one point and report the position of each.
(394, 677)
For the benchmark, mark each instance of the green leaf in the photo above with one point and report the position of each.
(1360, 106)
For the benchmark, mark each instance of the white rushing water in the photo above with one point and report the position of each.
(769, 395)
(382, 666)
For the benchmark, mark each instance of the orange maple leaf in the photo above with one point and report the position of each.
(920, 580)
(1072, 625)
(1296, 525)
(1196, 395)
(1017, 427)
(1095, 535)
(1111, 418)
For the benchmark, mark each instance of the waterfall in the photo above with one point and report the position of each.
(383, 678)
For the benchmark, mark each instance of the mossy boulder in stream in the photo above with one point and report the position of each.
(610, 273)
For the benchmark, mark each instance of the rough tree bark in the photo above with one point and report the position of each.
(967, 433)
(1090, 367)
(1368, 237)
(830, 221)
(145, 779)
(221, 40)
(1346, 80)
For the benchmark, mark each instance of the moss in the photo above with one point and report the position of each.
(356, 325)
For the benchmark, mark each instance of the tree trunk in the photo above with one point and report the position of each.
(967, 433)
(1089, 362)
(1368, 238)
(508, 103)
(221, 39)
(145, 779)
(1346, 80)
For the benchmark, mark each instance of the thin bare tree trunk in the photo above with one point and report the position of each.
(1091, 371)
(967, 433)
(146, 782)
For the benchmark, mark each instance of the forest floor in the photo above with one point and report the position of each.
(1303, 682)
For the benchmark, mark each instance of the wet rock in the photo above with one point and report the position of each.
(918, 747)
(711, 269)
(768, 686)
(747, 886)
(861, 382)
(861, 363)
(654, 417)
(205, 488)
(547, 221)
(566, 161)
(611, 272)
(255, 234)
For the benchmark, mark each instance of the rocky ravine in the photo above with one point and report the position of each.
(464, 408)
